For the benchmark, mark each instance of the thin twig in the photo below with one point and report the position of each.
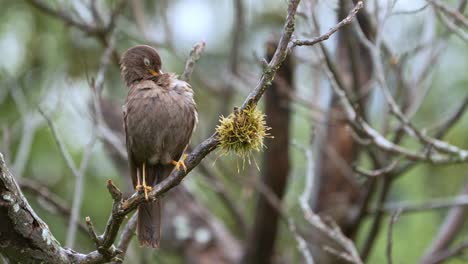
(344, 22)
(444, 147)
(434, 204)
(378, 172)
(279, 56)
(452, 27)
(68, 19)
(374, 228)
(226, 198)
(335, 233)
(92, 231)
(382, 143)
(458, 250)
(78, 193)
(453, 13)
(410, 12)
(301, 243)
(58, 140)
(30, 123)
(194, 56)
(453, 119)
(391, 223)
(448, 231)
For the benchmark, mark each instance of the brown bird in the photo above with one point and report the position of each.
(159, 118)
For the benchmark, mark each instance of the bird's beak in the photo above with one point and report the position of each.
(154, 73)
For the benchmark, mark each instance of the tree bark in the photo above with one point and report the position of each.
(24, 237)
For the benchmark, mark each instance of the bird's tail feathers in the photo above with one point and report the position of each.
(149, 213)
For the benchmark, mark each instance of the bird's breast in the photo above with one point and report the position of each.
(159, 124)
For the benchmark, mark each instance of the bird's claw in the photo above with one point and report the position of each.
(145, 188)
(180, 163)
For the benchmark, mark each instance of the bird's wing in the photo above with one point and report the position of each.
(131, 164)
(189, 114)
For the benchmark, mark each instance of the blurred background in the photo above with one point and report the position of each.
(62, 152)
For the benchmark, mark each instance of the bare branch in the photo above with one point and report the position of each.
(92, 231)
(301, 243)
(67, 18)
(334, 233)
(458, 154)
(452, 120)
(378, 172)
(30, 123)
(448, 231)
(225, 197)
(391, 223)
(453, 13)
(58, 140)
(434, 204)
(194, 56)
(278, 57)
(347, 20)
(449, 253)
(382, 143)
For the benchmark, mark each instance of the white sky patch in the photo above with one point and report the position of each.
(14, 33)
(11, 51)
(192, 22)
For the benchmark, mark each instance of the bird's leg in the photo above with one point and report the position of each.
(181, 162)
(138, 185)
(146, 188)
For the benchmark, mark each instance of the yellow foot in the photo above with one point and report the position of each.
(181, 162)
(145, 188)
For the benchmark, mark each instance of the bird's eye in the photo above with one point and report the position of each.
(146, 61)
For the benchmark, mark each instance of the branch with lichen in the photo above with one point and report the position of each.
(242, 132)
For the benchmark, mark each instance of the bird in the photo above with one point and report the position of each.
(160, 115)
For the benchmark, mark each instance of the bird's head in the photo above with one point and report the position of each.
(140, 62)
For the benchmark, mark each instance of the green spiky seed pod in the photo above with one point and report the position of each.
(242, 132)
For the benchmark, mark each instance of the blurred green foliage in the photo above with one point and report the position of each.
(52, 64)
